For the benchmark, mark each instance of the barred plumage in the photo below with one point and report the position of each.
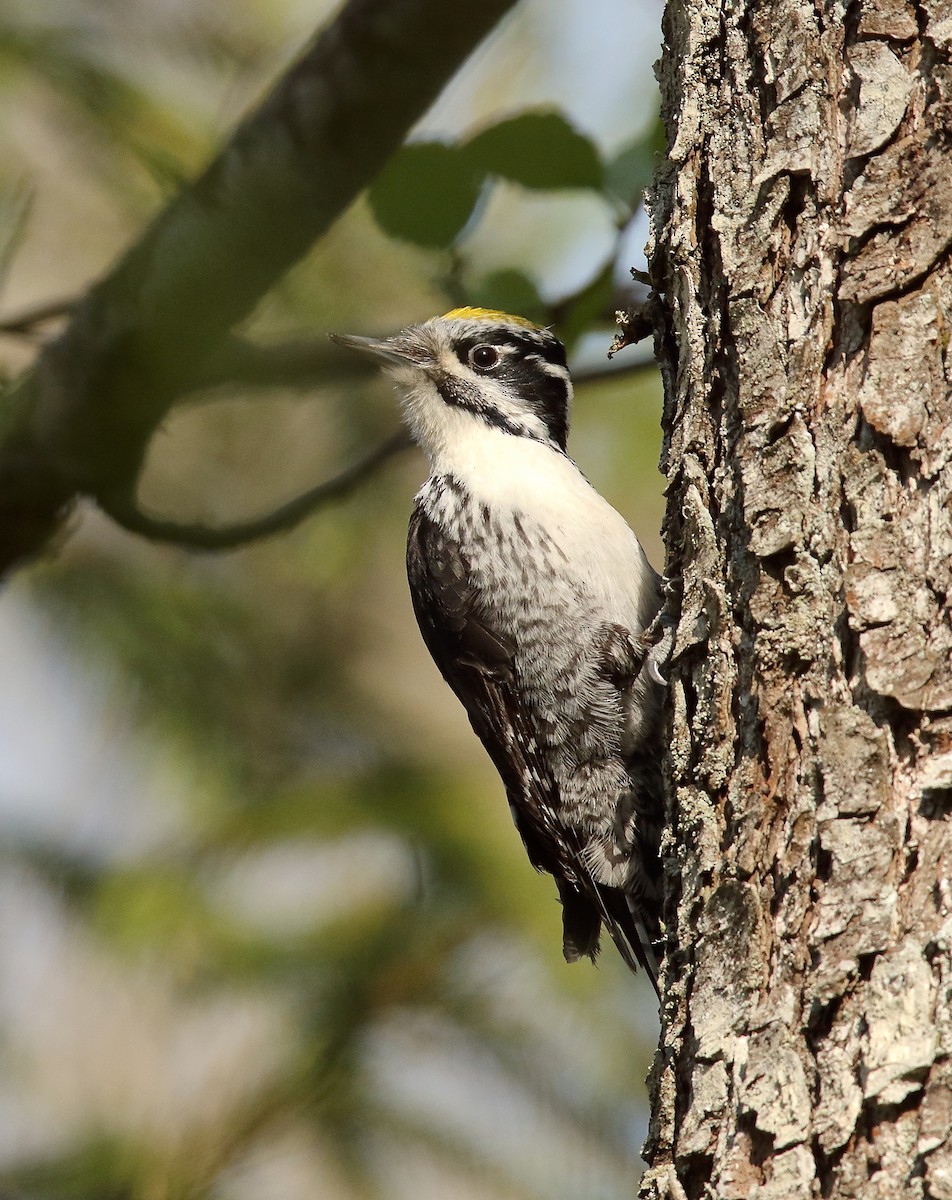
(532, 595)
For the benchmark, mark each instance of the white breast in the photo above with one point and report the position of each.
(516, 475)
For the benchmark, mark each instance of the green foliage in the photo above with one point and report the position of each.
(426, 193)
(509, 291)
(15, 204)
(537, 150)
(587, 308)
(434, 194)
(124, 114)
(630, 171)
(96, 1169)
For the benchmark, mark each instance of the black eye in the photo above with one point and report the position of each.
(483, 357)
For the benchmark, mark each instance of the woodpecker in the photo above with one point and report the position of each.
(533, 597)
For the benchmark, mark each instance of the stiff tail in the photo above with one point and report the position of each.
(625, 923)
(584, 914)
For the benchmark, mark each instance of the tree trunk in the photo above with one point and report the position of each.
(802, 230)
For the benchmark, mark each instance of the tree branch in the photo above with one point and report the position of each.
(80, 420)
(24, 323)
(124, 511)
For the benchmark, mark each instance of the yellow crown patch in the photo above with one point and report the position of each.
(488, 314)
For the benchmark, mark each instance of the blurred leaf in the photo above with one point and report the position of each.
(97, 1169)
(631, 171)
(72, 875)
(203, 660)
(153, 907)
(537, 150)
(69, 63)
(426, 193)
(509, 291)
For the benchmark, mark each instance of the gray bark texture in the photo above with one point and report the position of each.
(802, 229)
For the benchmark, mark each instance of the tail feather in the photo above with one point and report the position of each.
(626, 924)
(584, 914)
(581, 923)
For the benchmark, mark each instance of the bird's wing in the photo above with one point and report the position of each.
(477, 660)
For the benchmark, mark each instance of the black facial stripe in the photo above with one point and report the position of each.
(551, 349)
(459, 393)
(545, 395)
(493, 417)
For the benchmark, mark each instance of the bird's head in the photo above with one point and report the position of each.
(472, 369)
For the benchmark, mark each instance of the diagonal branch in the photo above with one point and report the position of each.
(80, 420)
(24, 322)
(229, 537)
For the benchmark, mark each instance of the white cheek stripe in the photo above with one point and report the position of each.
(550, 368)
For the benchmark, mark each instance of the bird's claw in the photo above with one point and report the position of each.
(659, 653)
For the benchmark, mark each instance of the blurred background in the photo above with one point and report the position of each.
(266, 929)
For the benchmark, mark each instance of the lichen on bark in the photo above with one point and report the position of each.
(801, 232)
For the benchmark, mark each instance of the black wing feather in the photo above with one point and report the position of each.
(477, 660)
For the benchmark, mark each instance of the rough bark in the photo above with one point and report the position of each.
(80, 421)
(802, 233)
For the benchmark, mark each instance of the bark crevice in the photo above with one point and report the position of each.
(797, 230)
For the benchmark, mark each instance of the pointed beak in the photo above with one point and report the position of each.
(389, 352)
